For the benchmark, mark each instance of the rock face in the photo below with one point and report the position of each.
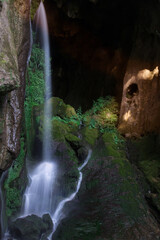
(140, 107)
(32, 227)
(111, 203)
(14, 49)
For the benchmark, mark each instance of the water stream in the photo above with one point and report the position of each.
(58, 214)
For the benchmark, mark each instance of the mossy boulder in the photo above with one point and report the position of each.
(62, 131)
(110, 203)
(59, 108)
(31, 227)
(90, 135)
(145, 152)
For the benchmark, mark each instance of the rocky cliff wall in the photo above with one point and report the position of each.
(14, 50)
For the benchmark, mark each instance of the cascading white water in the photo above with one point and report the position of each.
(38, 195)
(41, 22)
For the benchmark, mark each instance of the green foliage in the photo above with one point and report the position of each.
(34, 89)
(90, 135)
(2, 59)
(35, 81)
(34, 7)
(12, 193)
(103, 114)
(102, 117)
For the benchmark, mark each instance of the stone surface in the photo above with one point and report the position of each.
(110, 203)
(31, 227)
(140, 107)
(14, 50)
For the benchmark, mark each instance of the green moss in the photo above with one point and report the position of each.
(60, 130)
(34, 7)
(80, 229)
(147, 158)
(73, 157)
(90, 135)
(13, 194)
(103, 114)
(128, 188)
(72, 138)
(59, 108)
(34, 92)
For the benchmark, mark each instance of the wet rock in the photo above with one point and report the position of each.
(31, 227)
(110, 203)
(82, 153)
(14, 49)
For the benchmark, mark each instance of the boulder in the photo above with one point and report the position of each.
(31, 227)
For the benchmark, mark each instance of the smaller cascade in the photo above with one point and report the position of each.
(58, 214)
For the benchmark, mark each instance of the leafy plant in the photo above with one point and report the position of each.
(103, 114)
(12, 193)
(35, 86)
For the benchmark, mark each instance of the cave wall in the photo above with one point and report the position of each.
(140, 107)
(14, 50)
(90, 48)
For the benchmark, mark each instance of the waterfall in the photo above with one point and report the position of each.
(39, 194)
(41, 23)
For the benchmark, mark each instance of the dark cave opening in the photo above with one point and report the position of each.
(132, 90)
(89, 48)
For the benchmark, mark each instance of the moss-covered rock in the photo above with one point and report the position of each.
(59, 108)
(15, 184)
(32, 227)
(14, 49)
(111, 203)
(90, 135)
(145, 152)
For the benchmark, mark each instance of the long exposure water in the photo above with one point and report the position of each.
(58, 214)
(38, 195)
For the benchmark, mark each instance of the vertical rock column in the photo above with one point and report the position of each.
(140, 107)
(14, 50)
